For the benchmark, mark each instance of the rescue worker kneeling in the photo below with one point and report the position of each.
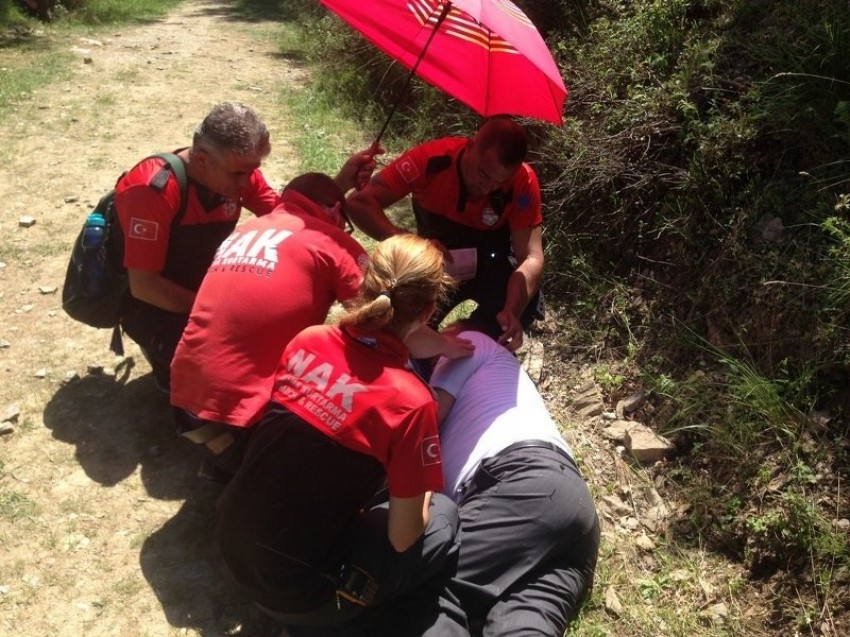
(296, 524)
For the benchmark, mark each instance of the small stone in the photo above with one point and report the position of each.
(11, 413)
(617, 430)
(41, 373)
(2, 264)
(4, 344)
(717, 611)
(588, 402)
(26, 221)
(533, 361)
(76, 541)
(6, 428)
(843, 524)
(630, 404)
(645, 543)
(26, 308)
(609, 415)
(655, 517)
(612, 602)
(72, 199)
(70, 376)
(647, 446)
(47, 289)
(616, 505)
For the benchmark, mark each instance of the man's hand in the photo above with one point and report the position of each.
(512, 334)
(358, 169)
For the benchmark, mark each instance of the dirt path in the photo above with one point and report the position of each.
(103, 524)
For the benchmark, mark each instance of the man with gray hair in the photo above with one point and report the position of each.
(166, 253)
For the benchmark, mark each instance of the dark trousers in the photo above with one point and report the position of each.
(157, 332)
(530, 544)
(530, 540)
(427, 562)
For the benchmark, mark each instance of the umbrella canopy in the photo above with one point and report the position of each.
(485, 53)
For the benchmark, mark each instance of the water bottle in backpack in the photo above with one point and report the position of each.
(94, 233)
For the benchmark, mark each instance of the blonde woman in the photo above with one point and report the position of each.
(297, 528)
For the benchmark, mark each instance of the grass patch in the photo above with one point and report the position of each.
(16, 506)
(106, 12)
(327, 137)
(33, 54)
(29, 64)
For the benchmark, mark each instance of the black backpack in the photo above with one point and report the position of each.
(96, 282)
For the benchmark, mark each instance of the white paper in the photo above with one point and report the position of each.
(464, 264)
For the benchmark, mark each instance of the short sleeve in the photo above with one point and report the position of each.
(415, 463)
(260, 198)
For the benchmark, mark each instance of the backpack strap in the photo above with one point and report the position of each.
(177, 167)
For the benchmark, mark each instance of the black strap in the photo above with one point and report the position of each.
(537, 444)
(176, 165)
(179, 169)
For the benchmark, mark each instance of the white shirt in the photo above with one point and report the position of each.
(496, 405)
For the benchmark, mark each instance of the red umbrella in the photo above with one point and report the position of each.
(485, 53)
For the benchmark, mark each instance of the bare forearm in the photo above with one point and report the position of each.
(523, 283)
(408, 518)
(162, 293)
(368, 216)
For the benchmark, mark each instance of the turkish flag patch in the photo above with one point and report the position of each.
(431, 451)
(143, 229)
(408, 169)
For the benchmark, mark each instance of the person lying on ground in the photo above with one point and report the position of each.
(530, 532)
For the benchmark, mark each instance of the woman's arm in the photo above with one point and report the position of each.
(426, 342)
(408, 518)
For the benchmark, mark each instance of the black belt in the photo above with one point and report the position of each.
(537, 444)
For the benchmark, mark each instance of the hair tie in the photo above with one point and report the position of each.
(386, 293)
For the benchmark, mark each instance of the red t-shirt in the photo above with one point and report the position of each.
(146, 214)
(357, 388)
(272, 277)
(430, 172)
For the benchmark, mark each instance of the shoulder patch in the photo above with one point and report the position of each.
(160, 179)
(523, 201)
(431, 451)
(408, 169)
(438, 164)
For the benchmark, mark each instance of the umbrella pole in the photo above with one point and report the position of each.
(377, 143)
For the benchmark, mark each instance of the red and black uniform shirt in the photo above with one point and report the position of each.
(182, 253)
(430, 172)
(357, 388)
